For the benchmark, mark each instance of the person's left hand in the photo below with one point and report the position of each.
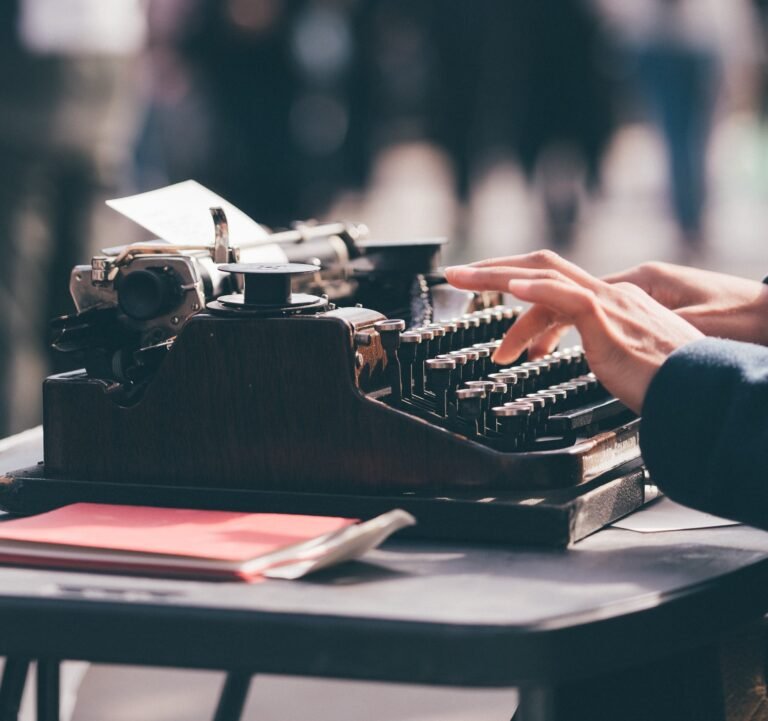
(626, 334)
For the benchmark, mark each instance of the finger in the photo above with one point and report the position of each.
(547, 341)
(633, 275)
(542, 259)
(495, 278)
(529, 326)
(565, 301)
(654, 279)
(568, 300)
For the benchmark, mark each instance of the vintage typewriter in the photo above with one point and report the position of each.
(346, 379)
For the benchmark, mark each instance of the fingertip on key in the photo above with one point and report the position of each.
(518, 287)
(453, 269)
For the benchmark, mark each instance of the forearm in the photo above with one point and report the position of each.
(704, 432)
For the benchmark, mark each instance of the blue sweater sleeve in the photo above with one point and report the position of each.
(704, 432)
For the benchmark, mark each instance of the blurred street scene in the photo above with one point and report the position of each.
(613, 131)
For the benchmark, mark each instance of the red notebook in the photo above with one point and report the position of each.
(163, 541)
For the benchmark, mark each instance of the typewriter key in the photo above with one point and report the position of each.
(568, 363)
(523, 381)
(409, 343)
(509, 379)
(534, 375)
(423, 351)
(548, 397)
(497, 318)
(572, 393)
(555, 360)
(471, 370)
(579, 360)
(441, 341)
(528, 411)
(472, 331)
(470, 402)
(499, 393)
(582, 389)
(487, 387)
(594, 389)
(461, 364)
(439, 372)
(509, 317)
(539, 406)
(561, 396)
(512, 423)
(485, 320)
(427, 340)
(483, 361)
(389, 333)
(461, 335)
(450, 335)
(389, 326)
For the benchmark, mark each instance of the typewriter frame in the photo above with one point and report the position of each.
(301, 385)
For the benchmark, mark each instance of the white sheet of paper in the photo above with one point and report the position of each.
(348, 544)
(666, 515)
(181, 215)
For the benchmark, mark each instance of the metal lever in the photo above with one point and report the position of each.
(221, 239)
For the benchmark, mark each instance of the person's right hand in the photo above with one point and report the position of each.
(717, 304)
(627, 335)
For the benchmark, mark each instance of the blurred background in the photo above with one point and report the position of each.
(614, 131)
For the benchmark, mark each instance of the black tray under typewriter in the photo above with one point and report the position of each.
(554, 518)
(298, 414)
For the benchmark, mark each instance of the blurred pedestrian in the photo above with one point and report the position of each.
(678, 68)
(65, 129)
(561, 103)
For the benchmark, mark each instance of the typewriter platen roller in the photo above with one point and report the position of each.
(277, 398)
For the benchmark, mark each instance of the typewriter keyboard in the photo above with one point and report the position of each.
(443, 373)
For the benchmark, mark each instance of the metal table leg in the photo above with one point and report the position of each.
(233, 696)
(48, 677)
(12, 687)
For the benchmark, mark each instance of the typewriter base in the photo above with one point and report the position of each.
(551, 518)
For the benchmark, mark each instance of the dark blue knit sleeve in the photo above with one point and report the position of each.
(704, 432)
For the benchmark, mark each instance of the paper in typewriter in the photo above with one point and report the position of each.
(180, 214)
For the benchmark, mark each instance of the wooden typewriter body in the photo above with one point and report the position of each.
(289, 404)
(300, 412)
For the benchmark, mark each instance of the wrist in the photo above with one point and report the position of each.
(761, 314)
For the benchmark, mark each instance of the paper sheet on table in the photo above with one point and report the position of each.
(666, 515)
(346, 544)
(180, 214)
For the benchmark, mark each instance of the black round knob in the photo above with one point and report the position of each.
(144, 294)
(268, 284)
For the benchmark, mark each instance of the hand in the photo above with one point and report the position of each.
(626, 334)
(717, 304)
